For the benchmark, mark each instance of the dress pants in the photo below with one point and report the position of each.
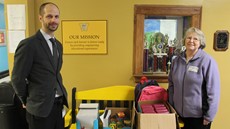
(194, 123)
(53, 121)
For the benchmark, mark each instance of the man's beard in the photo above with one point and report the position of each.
(52, 29)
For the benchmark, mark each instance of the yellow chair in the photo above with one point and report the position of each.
(112, 96)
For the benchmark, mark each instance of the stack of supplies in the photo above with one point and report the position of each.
(147, 108)
(160, 108)
(154, 108)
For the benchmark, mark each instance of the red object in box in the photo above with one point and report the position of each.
(147, 108)
(154, 108)
(160, 108)
(162, 111)
(158, 105)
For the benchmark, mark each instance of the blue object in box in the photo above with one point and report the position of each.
(95, 124)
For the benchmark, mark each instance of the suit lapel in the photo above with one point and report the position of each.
(46, 48)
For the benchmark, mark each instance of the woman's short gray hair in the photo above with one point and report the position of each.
(200, 36)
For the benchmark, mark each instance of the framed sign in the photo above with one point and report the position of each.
(221, 38)
(84, 37)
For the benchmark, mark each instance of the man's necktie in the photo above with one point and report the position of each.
(55, 51)
(55, 59)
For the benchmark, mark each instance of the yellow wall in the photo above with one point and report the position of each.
(92, 71)
(30, 28)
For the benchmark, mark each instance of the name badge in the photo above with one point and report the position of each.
(193, 69)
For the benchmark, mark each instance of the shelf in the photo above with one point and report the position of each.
(159, 77)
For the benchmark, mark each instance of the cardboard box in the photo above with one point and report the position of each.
(115, 110)
(155, 120)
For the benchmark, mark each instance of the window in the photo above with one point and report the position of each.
(157, 28)
(4, 69)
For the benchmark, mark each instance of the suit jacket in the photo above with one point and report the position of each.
(34, 75)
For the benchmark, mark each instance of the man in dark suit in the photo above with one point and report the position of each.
(36, 75)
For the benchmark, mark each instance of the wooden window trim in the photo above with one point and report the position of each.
(140, 12)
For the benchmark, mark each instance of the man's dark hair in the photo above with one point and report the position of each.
(41, 9)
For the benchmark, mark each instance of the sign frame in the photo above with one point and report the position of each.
(84, 37)
(221, 39)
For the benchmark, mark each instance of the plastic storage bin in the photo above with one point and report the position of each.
(12, 115)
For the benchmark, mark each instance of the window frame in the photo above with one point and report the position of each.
(140, 12)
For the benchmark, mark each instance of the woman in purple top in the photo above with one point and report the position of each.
(194, 83)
